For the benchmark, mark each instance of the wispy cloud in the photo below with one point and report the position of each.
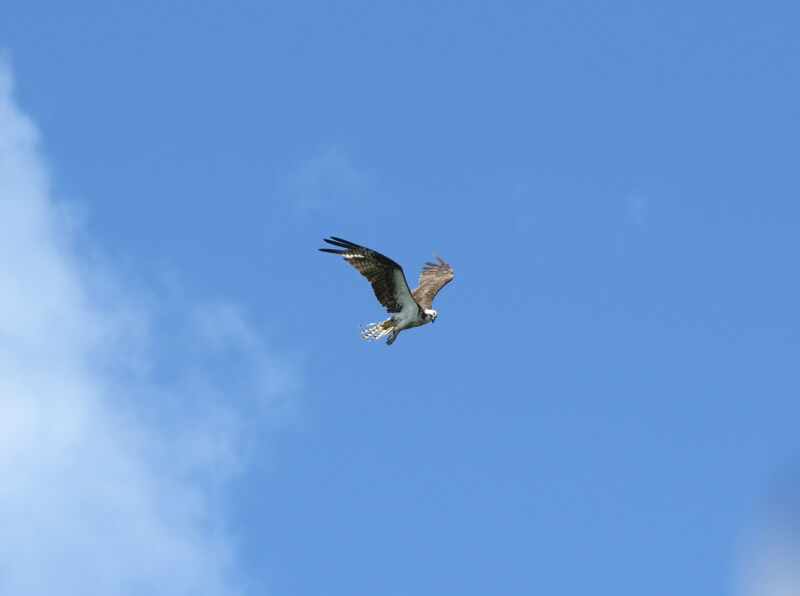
(328, 182)
(637, 209)
(770, 562)
(114, 433)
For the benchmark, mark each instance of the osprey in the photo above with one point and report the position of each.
(412, 307)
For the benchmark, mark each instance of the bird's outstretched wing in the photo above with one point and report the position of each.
(432, 278)
(385, 276)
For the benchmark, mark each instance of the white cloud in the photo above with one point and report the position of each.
(772, 564)
(769, 563)
(108, 459)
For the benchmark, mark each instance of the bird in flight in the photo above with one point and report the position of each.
(411, 308)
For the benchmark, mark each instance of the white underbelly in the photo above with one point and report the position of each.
(409, 317)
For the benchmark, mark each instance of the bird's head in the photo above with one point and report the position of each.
(430, 315)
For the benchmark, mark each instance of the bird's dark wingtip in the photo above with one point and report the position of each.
(346, 243)
(341, 242)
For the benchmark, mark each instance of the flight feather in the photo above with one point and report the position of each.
(432, 278)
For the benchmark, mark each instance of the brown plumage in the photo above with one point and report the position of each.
(432, 278)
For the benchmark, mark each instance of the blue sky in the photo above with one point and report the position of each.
(608, 402)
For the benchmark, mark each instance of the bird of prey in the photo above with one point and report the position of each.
(411, 308)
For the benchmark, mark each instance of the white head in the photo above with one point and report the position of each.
(430, 315)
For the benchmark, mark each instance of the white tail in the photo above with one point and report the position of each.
(373, 331)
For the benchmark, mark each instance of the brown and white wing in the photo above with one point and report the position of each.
(432, 278)
(385, 276)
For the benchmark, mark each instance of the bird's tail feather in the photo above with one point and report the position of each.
(373, 331)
